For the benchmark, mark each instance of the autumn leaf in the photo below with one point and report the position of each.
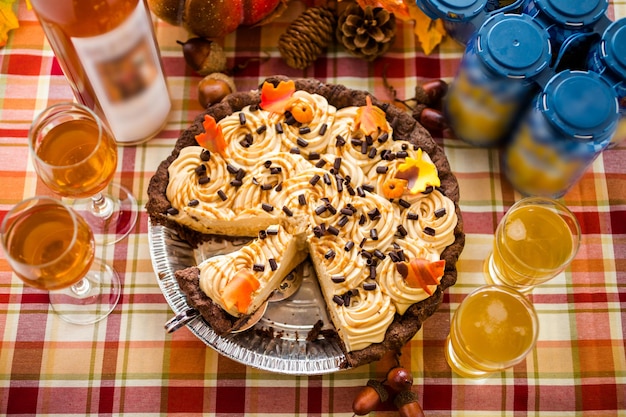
(212, 138)
(275, 99)
(8, 20)
(429, 32)
(398, 7)
(370, 118)
(419, 173)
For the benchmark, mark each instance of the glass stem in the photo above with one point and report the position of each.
(101, 206)
(81, 288)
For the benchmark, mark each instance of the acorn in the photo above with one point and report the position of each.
(203, 55)
(214, 87)
(399, 379)
(431, 92)
(407, 404)
(369, 398)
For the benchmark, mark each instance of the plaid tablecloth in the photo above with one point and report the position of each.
(128, 365)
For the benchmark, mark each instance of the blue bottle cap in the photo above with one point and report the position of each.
(614, 47)
(573, 12)
(453, 10)
(580, 104)
(514, 45)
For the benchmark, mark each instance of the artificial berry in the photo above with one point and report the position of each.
(370, 397)
(399, 379)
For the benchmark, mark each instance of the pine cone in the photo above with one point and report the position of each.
(306, 37)
(366, 33)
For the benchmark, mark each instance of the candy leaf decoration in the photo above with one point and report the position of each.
(429, 32)
(394, 187)
(420, 273)
(212, 138)
(419, 173)
(301, 111)
(238, 291)
(370, 119)
(276, 99)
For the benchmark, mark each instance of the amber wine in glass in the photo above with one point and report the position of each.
(75, 155)
(51, 247)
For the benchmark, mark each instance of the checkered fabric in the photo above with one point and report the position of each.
(128, 365)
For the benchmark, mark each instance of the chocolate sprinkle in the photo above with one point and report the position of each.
(279, 128)
(340, 141)
(267, 186)
(368, 187)
(333, 230)
(304, 130)
(242, 118)
(200, 170)
(262, 234)
(320, 163)
(236, 183)
(279, 186)
(349, 246)
(379, 254)
(232, 169)
(193, 203)
(337, 164)
(320, 209)
(172, 211)
(302, 199)
(383, 138)
(330, 254)
(338, 300)
(366, 254)
(267, 207)
(258, 267)
(313, 156)
(261, 129)
(222, 195)
(412, 216)
(343, 221)
(337, 279)
(204, 180)
(372, 153)
(429, 231)
(402, 231)
(404, 203)
(275, 170)
(440, 212)
(374, 234)
(381, 169)
(428, 190)
(369, 286)
(295, 151)
(301, 142)
(346, 211)
(327, 179)
(314, 179)
(287, 211)
(205, 155)
(323, 128)
(273, 264)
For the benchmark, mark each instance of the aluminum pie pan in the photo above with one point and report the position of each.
(277, 343)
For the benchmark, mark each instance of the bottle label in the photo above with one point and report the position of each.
(123, 68)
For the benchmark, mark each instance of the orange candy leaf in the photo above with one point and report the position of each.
(370, 118)
(419, 173)
(420, 273)
(212, 137)
(429, 32)
(238, 292)
(275, 99)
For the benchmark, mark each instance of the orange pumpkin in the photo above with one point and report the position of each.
(216, 19)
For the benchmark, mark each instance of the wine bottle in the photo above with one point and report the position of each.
(109, 55)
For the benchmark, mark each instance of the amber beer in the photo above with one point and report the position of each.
(493, 329)
(79, 157)
(47, 244)
(109, 55)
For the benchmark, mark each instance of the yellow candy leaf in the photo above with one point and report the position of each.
(8, 20)
(370, 118)
(419, 173)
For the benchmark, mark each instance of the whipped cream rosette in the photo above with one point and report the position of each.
(431, 219)
(394, 284)
(304, 125)
(373, 224)
(249, 136)
(196, 188)
(267, 175)
(352, 144)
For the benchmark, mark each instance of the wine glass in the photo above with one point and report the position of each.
(50, 247)
(75, 155)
